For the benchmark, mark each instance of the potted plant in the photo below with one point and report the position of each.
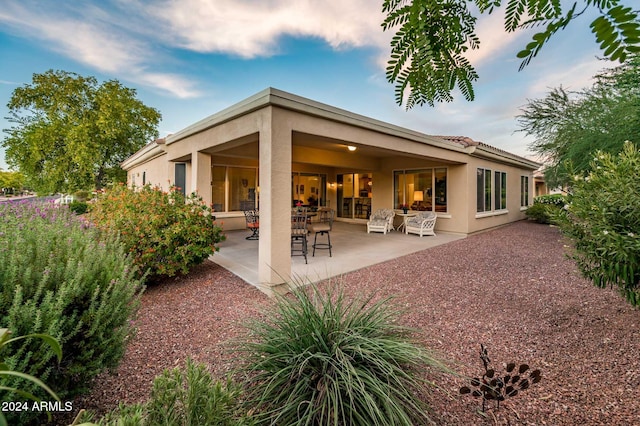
(405, 208)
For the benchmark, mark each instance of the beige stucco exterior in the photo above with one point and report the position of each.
(279, 133)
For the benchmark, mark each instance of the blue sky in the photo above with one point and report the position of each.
(192, 58)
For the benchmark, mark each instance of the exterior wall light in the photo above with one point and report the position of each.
(351, 148)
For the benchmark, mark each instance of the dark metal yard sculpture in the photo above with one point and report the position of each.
(494, 387)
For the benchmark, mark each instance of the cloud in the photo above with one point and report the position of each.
(88, 37)
(252, 28)
(579, 74)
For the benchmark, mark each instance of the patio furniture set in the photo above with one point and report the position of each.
(418, 222)
(415, 222)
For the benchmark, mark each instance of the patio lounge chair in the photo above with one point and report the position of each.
(381, 221)
(421, 224)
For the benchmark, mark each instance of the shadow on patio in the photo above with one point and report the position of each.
(353, 249)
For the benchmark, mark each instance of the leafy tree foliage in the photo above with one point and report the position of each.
(70, 132)
(11, 180)
(427, 51)
(570, 127)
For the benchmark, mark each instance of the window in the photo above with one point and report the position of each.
(500, 190)
(483, 188)
(424, 189)
(233, 188)
(310, 189)
(524, 191)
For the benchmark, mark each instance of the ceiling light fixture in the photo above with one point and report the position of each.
(351, 148)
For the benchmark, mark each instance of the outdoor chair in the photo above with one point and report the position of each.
(381, 221)
(253, 224)
(299, 233)
(421, 224)
(322, 227)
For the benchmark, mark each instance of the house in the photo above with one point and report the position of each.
(276, 149)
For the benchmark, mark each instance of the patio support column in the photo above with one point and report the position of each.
(274, 249)
(201, 175)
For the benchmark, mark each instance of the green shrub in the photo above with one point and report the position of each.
(545, 208)
(184, 398)
(5, 371)
(165, 232)
(58, 278)
(319, 359)
(551, 199)
(81, 196)
(78, 207)
(603, 219)
(542, 213)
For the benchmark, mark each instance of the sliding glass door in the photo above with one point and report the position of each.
(354, 195)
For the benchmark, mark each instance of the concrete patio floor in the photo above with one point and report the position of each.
(353, 249)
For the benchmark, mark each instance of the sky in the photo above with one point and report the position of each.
(192, 58)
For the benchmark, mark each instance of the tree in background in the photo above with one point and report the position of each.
(11, 182)
(70, 132)
(570, 127)
(427, 51)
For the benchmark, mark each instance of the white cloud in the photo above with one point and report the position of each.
(252, 28)
(575, 76)
(93, 41)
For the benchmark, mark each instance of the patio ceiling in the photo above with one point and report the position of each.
(247, 148)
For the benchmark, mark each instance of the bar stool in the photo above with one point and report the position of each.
(323, 227)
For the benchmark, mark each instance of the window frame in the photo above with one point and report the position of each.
(437, 197)
(228, 191)
(524, 191)
(500, 190)
(484, 190)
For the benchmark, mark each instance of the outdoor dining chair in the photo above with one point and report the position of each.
(253, 224)
(299, 233)
(322, 227)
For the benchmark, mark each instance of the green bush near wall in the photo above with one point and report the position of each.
(60, 277)
(603, 220)
(165, 233)
(546, 207)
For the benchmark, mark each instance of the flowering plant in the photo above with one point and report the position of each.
(299, 203)
(404, 206)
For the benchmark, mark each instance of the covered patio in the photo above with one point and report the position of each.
(275, 150)
(353, 249)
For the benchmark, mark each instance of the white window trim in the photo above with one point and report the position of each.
(492, 213)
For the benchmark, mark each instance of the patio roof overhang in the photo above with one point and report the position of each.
(278, 129)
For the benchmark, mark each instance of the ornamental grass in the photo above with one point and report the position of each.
(320, 358)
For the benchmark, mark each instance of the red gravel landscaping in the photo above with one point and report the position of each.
(511, 288)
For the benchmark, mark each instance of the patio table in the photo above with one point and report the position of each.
(405, 216)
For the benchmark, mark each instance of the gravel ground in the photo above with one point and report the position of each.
(512, 289)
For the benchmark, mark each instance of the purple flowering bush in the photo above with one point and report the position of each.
(61, 277)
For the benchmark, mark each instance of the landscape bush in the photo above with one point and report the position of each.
(78, 207)
(603, 220)
(546, 207)
(62, 278)
(324, 359)
(189, 397)
(166, 233)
